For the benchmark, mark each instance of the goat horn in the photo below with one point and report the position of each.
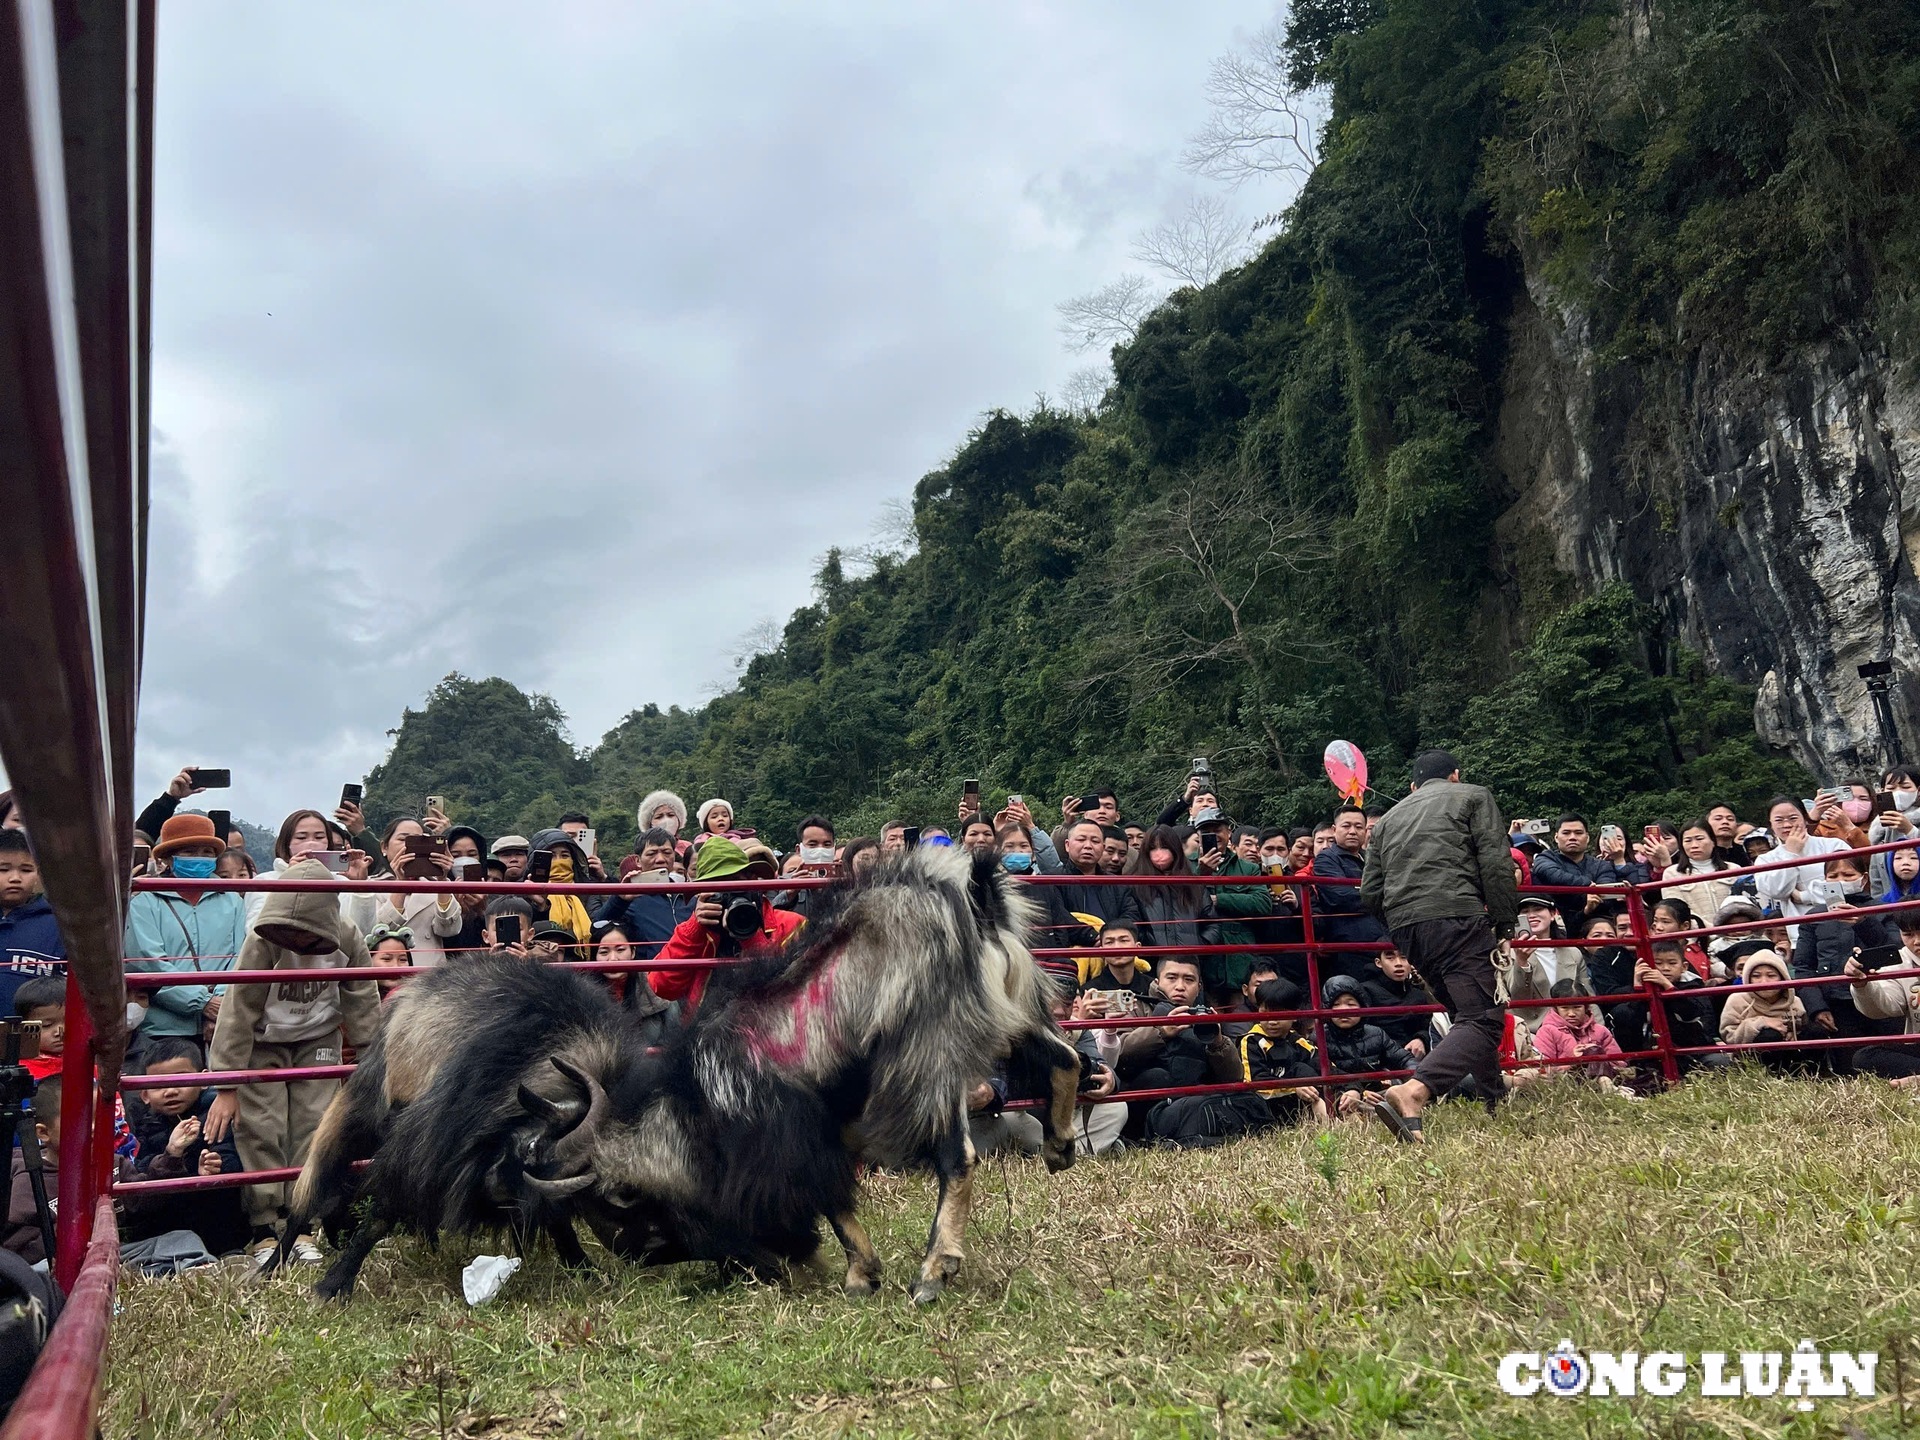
(559, 1118)
(557, 1189)
(572, 1147)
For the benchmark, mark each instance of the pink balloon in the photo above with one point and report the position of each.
(1346, 768)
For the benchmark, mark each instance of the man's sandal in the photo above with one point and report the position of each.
(1405, 1128)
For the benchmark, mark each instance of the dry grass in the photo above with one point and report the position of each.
(1293, 1285)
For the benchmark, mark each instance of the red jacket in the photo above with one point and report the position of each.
(693, 941)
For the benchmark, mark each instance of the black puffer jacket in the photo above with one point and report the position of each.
(1824, 947)
(1363, 1049)
(1377, 989)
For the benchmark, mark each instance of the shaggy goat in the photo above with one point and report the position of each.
(509, 1092)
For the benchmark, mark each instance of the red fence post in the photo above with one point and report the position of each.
(75, 1190)
(1656, 1009)
(1313, 1000)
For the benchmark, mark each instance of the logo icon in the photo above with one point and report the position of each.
(1565, 1371)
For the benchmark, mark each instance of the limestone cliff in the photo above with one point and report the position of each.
(1771, 514)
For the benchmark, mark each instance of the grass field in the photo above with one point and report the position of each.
(1293, 1284)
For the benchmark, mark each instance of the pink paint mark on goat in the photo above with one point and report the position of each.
(817, 995)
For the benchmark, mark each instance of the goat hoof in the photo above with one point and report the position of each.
(925, 1292)
(1059, 1158)
(859, 1287)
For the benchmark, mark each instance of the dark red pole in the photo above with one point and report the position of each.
(1313, 1000)
(74, 1190)
(1656, 1010)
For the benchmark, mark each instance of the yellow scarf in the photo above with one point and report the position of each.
(566, 909)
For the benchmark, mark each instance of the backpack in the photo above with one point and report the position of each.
(28, 1304)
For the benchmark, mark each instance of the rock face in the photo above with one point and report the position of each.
(1772, 516)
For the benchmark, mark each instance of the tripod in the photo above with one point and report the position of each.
(16, 1089)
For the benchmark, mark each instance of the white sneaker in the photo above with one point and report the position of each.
(261, 1251)
(306, 1252)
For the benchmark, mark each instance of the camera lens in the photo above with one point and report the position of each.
(741, 917)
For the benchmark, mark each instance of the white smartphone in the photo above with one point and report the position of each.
(1014, 800)
(587, 840)
(334, 860)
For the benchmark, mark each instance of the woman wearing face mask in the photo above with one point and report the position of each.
(185, 929)
(1015, 843)
(1689, 879)
(432, 917)
(1828, 940)
(664, 810)
(1795, 890)
(1169, 914)
(1902, 822)
(568, 866)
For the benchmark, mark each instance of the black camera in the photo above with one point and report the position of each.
(740, 917)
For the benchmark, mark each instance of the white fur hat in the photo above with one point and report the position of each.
(654, 800)
(706, 809)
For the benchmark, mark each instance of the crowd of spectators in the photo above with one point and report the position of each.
(1155, 955)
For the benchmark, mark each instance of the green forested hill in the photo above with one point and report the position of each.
(1278, 526)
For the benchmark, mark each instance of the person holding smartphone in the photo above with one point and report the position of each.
(433, 917)
(1570, 861)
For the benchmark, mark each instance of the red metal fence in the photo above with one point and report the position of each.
(84, 1184)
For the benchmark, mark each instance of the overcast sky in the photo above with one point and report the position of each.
(559, 342)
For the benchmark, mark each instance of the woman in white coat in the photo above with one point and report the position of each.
(433, 917)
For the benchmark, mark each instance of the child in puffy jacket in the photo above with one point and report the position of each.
(1762, 1012)
(1355, 1047)
(1571, 1029)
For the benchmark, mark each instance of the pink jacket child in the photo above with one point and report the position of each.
(1569, 1028)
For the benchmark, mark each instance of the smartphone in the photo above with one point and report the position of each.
(222, 823)
(970, 793)
(1089, 802)
(470, 867)
(437, 802)
(1837, 793)
(350, 794)
(1880, 957)
(540, 867)
(1651, 834)
(910, 836)
(334, 860)
(1015, 800)
(1535, 828)
(1882, 803)
(1200, 766)
(506, 929)
(211, 779)
(141, 855)
(588, 843)
(1611, 832)
(1209, 843)
(424, 844)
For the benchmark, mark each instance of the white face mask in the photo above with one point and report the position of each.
(1906, 799)
(668, 822)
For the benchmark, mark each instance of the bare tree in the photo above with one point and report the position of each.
(1207, 240)
(1108, 316)
(1086, 388)
(762, 638)
(1200, 583)
(1261, 123)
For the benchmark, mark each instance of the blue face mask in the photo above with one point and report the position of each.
(1016, 862)
(194, 867)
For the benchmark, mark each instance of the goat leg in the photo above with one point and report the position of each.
(863, 1264)
(953, 1162)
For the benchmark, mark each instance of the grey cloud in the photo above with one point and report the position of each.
(458, 310)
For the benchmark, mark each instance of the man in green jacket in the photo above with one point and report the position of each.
(1440, 873)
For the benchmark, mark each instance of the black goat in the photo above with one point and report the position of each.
(859, 1041)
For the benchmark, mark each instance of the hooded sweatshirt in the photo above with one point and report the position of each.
(304, 1010)
(1748, 1011)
